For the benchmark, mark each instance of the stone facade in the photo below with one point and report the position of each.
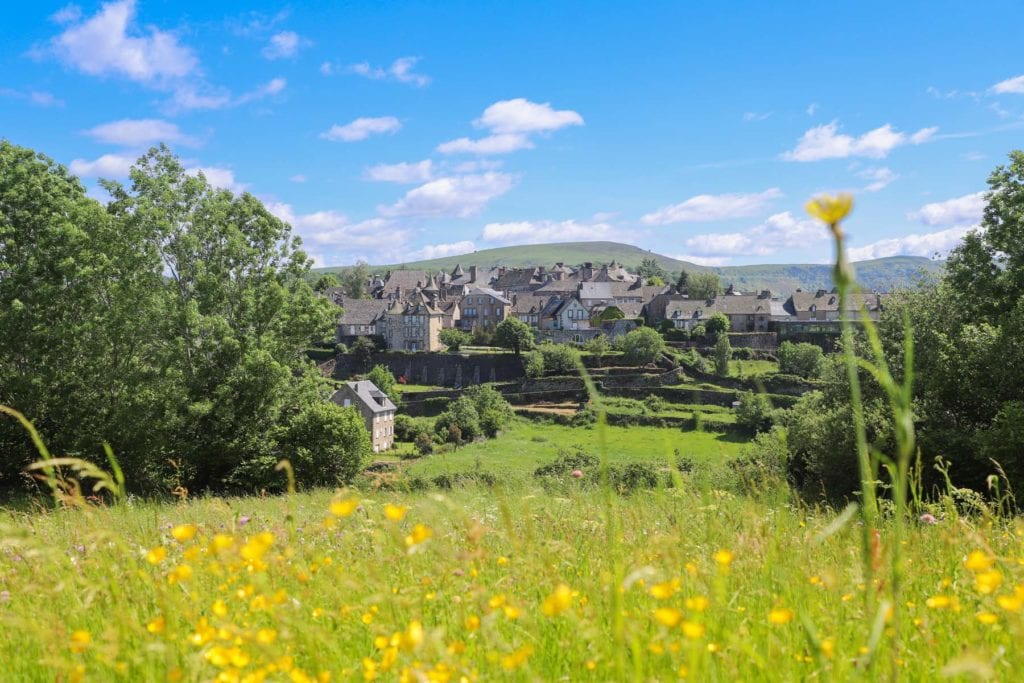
(376, 408)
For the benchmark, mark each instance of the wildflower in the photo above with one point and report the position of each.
(221, 542)
(663, 591)
(395, 513)
(780, 616)
(182, 572)
(987, 618)
(184, 532)
(157, 625)
(266, 636)
(668, 616)
(987, 582)
(559, 601)
(420, 533)
(516, 659)
(80, 641)
(577, 474)
(942, 602)
(5, 597)
(697, 604)
(978, 561)
(412, 636)
(344, 508)
(928, 518)
(723, 558)
(472, 622)
(156, 555)
(257, 546)
(1013, 602)
(693, 630)
(830, 210)
(828, 647)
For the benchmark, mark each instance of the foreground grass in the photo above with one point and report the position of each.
(526, 445)
(481, 585)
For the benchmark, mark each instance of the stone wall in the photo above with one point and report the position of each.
(762, 341)
(441, 369)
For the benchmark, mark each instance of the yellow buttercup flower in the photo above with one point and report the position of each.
(780, 616)
(184, 532)
(559, 601)
(668, 616)
(419, 534)
(693, 630)
(156, 555)
(157, 625)
(829, 209)
(396, 513)
(344, 508)
(80, 641)
(978, 561)
(723, 558)
(663, 591)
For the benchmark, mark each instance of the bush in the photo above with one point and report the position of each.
(424, 443)
(382, 378)
(723, 354)
(480, 411)
(802, 359)
(483, 336)
(633, 477)
(533, 364)
(567, 461)
(717, 325)
(677, 335)
(762, 463)
(755, 413)
(642, 346)
(698, 332)
(559, 359)
(405, 428)
(744, 353)
(454, 338)
(655, 403)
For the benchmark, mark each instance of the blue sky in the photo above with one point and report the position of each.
(397, 131)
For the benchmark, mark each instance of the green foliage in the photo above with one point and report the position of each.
(723, 354)
(717, 325)
(698, 331)
(363, 349)
(327, 446)
(611, 313)
(1003, 440)
(513, 333)
(802, 359)
(568, 461)
(325, 282)
(170, 325)
(405, 428)
(424, 443)
(559, 359)
(533, 364)
(764, 463)
(683, 281)
(642, 346)
(480, 411)
(755, 413)
(455, 338)
(649, 269)
(655, 403)
(354, 281)
(382, 378)
(484, 335)
(704, 286)
(598, 347)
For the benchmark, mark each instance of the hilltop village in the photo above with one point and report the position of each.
(407, 309)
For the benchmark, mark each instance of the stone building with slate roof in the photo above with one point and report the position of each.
(376, 408)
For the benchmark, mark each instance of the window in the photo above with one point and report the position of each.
(348, 402)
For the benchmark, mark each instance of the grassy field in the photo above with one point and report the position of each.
(752, 368)
(518, 451)
(484, 585)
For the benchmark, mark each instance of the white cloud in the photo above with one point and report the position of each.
(541, 232)
(271, 87)
(927, 244)
(345, 240)
(432, 251)
(218, 176)
(403, 172)
(879, 178)
(36, 97)
(492, 144)
(812, 108)
(401, 71)
(140, 132)
(960, 210)
(752, 116)
(825, 142)
(284, 44)
(478, 165)
(362, 128)
(190, 97)
(298, 178)
(107, 166)
(327, 69)
(67, 14)
(708, 207)
(777, 232)
(519, 115)
(1013, 85)
(109, 44)
(457, 196)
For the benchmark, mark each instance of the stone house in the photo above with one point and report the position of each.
(411, 326)
(824, 304)
(483, 306)
(527, 307)
(359, 319)
(376, 408)
(564, 314)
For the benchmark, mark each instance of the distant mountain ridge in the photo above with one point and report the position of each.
(882, 274)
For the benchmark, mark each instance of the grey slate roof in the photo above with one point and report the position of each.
(372, 397)
(362, 311)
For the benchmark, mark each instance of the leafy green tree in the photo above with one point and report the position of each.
(461, 416)
(355, 281)
(599, 348)
(683, 282)
(325, 282)
(326, 444)
(384, 380)
(650, 268)
(642, 346)
(533, 364)
(704, 286)
(513, 333)
(717, 325)
(454, 338)
(803, 359)
(560, 359)
(363, 349)
(754, 413)
(494, 411)
(698, 331)
(723, 354)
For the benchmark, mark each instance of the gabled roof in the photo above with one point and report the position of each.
(529, 303)
(518, 278)
(487, 291)
(362, 311)
(408, 280)
(371, 397)
(596, 290)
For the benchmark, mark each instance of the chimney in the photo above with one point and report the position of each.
(765, 294)
(820, 293)
(472, 273)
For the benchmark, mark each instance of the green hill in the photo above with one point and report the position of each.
(880, 274)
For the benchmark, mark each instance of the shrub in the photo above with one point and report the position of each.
(633, 477)
(755, 413)
(717, 325)
(424, 443)
(698, 332)
(533, 364)
(483, 335)
(655, 403)
(642, 346)
(723, 354)
(802, 359)
(743, 353)
(762, 463)
(454, 338)
(381, 376)
(567, 461)
(559, 359)
(405, 428)
(677, 334)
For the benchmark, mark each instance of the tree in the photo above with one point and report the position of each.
(325, 282)
(560, 359)
(454, 338)
(704, 286)
(461, 418)
(363, 349)
(326, 444)
(384, 380)
(803, 359)
(355, 280)
(717, 325)
(754, 413)
(683, 282)
(533, 364)
(598, 347)
(650, 268)
(642, 346)
(723, 354)
(494, 411)
(513, 333)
